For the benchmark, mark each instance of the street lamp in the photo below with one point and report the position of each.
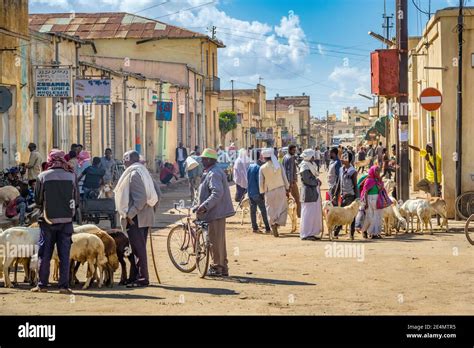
(381, 38)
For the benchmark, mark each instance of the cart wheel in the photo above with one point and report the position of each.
(113, 221)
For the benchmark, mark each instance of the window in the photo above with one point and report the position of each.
(357, 119)
(340, 131)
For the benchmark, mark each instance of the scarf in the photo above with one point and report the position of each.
(83, 157)
(269, 152)
(56, 160)
(373, 179)
(308, 165)
(122, 190)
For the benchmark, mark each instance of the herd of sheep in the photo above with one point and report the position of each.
(102, 251)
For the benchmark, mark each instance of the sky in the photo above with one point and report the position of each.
(317, 47)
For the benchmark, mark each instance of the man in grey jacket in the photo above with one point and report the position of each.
(140, 217)
(215, 205)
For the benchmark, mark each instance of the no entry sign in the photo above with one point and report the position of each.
(431, 99)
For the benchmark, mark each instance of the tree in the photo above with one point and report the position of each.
(227, 122)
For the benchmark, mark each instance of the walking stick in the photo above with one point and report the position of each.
(153, 257)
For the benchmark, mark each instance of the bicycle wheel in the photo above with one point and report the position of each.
(180, 249)
(465, 205)
(469, 229)
(202, 253)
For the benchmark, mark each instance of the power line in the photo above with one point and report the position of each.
(154, 6)
(186, 9)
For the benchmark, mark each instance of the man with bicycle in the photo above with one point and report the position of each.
(215, 205)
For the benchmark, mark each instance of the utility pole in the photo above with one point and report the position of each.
(232, 82)
(327, 129)
(212, 30)
(459, 102)
(403, 178)
(387, 26)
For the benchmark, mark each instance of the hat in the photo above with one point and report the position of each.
(209, 153)
(268, 152)
(308, 154)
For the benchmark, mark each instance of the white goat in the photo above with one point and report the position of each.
(391, 216)
(340, 216)
(17, 242)
(419, 208)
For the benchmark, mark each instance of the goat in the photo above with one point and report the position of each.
(123, 251)
(391, 216)
(438, 206)
(419, 208)
(340, 216)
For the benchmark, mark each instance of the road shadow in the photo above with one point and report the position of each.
(117, 296)
(203, 290)
(262, 281)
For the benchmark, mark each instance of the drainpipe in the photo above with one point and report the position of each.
(203, 91)
(459, 103)
(124, 131)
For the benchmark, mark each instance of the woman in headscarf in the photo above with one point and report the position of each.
(311, 214)
(274, 184)
(241, 165)
(370, 188)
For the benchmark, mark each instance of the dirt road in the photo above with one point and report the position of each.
(405, 274)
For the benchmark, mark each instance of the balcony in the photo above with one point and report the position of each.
(213, 84)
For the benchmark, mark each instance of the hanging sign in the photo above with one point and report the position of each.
(92, 91)
(53, 82)
(164, 111)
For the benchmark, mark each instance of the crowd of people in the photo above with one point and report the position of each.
(266, 178)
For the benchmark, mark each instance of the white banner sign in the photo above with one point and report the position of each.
(92, 91)
(53, 82)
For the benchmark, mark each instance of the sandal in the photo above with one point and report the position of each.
(137, 284)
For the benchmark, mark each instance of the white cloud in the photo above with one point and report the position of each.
(252, 48)
(350, 82)
(52, 3)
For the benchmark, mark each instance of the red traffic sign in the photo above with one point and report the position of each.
(431, 99)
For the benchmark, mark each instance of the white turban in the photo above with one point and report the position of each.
(270, 153)
(308, 154)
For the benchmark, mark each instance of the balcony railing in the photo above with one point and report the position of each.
(213, 84)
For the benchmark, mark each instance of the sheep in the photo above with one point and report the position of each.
(123, 250)
(110, 250)
(17, 242)
(340, 216)
(7, 193)
(34, 270)
(106, 191)
(110, 253)
(391, 216)
(86, 247)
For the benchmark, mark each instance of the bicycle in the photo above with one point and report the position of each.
(469, 231)
(188, 245)
(465, 209)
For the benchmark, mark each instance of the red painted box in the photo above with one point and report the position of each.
(385, 72)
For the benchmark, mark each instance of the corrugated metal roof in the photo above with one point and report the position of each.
(109, 25)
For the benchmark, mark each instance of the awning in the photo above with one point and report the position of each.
(377, 129)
